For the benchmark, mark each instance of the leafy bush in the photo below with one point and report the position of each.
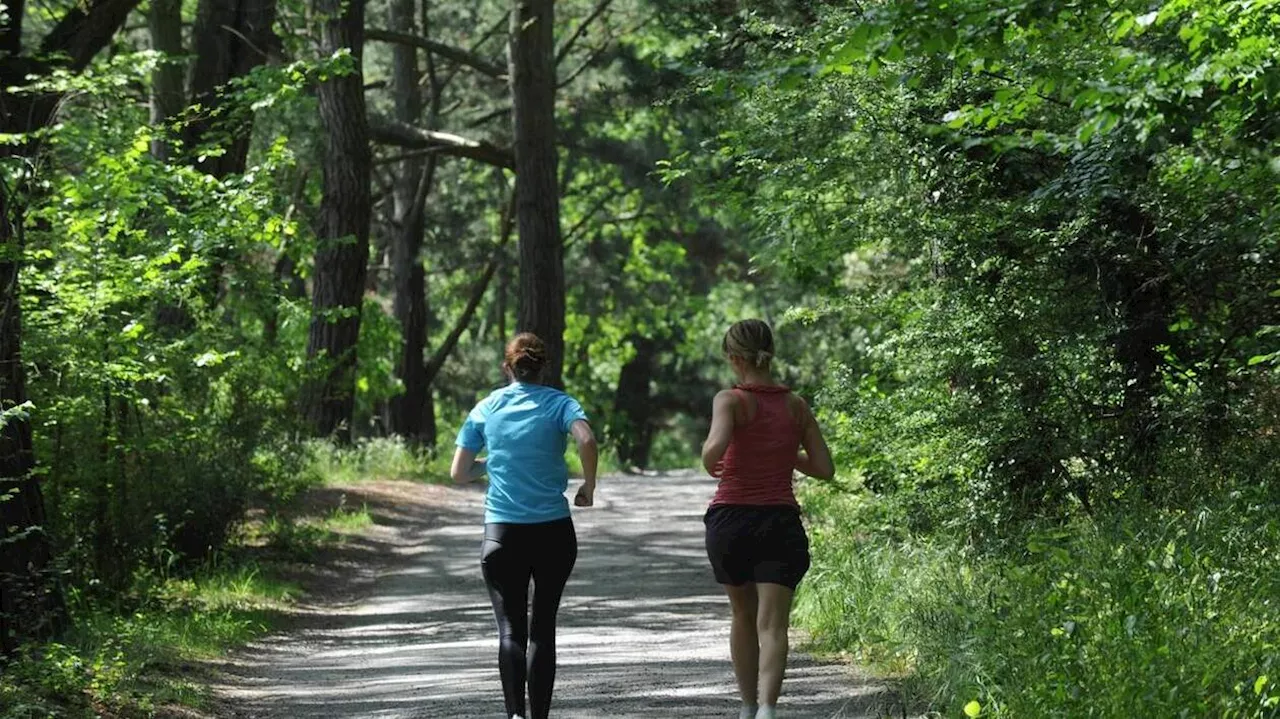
(1137, 614)
(127, 657)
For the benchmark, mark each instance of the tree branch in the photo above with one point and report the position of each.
(591, 60)
(441, 354)
(491, 115)
(571, 236)
(81, 33)
(457, 54)
(399, 134)
(577, 33)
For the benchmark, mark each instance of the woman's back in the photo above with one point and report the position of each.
(758, 465)
(524, 427)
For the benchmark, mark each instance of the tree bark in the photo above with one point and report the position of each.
(633, 406)
(30, 602)
(533, 94)
(343, 254)
(30, 606)
(411, 413)
(168, 84)
(232, 37)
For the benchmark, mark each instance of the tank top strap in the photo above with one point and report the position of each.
(744, 400)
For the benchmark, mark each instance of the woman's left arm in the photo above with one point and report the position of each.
(466, 467)
(721, 433)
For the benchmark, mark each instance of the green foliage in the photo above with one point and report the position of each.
(1035, 254)
(155, 406)
(132, 661)
(1166, 614)
(376, 458)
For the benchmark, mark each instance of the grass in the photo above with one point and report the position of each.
(1165, 614)
(348, 520)
(127, 660)
(376, 459)
(607, 463)
(139, 651)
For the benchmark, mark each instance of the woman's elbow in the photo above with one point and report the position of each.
(711, 457)
(459, 473)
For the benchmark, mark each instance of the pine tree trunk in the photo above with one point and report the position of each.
(232, 37)
(168, 85)
(633, 407)
(412, 414)
(31, 604)
(343, 254)
(30, 607)
(533, 89)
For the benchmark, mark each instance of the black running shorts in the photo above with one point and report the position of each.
(766, 545)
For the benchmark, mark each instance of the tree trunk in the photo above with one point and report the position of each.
(30, 606)
(30, 602)
(533, 88)
(168, 85)
(343, 254)
(232, 37)
(412, 414)
(633, 407)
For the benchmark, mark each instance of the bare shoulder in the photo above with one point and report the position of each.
(726, 398)
(799, 408)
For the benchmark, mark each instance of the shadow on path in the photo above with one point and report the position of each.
(643, 628)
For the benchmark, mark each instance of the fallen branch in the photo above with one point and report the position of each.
(400, 134)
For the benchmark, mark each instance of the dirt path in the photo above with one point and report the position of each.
(643, 629)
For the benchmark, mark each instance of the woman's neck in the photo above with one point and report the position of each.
(759, 377)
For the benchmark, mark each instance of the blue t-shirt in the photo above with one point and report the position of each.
(524, 427)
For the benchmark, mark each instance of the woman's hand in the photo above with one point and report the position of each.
(586, 496)
(589, 451)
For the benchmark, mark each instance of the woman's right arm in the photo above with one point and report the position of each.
(589, 452)
(466, 467)
(815, 460)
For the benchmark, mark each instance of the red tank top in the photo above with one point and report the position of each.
(756, 469)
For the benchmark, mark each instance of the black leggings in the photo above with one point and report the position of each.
(513, 554)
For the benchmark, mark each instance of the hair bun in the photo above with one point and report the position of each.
(526, 356)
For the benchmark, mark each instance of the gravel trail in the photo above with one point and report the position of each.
(643, 629)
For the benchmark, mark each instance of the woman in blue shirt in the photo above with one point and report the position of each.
(528, 532)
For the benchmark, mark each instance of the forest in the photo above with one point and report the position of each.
(1023, 258)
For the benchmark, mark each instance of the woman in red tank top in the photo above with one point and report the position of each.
(760, 435)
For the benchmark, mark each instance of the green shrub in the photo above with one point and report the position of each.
(1143, 614)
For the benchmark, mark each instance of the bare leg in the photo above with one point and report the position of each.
(773, 619)
(744, 644)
